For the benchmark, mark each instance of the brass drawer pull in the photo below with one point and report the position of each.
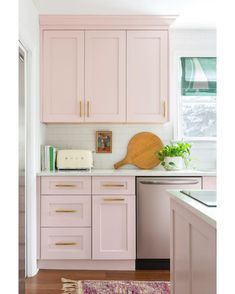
(65, 185)
(113, 199)
(66, 244)
(65, 210)
(113, 185)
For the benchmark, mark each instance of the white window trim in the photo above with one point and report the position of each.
(176, 90)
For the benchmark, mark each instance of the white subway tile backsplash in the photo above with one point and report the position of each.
(83, 136)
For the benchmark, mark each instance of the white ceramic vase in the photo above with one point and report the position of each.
(174, 163)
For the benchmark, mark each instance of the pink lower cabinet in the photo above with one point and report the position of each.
(66, 185)
(193, 253)
(113, 185)
(64, 219)
(209, 183)
(66, 243)
(86, 223)
(66, 211)
(113, 227)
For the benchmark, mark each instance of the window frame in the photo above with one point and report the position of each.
(177, 109)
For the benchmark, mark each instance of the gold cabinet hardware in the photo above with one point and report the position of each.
(164, 108)
(80, 104)
(113, 185)
(65, 210)
(113, 199)
(88, 108)
(66, 243)
(65, 185)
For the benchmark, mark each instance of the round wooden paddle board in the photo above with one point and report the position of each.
(141, 151)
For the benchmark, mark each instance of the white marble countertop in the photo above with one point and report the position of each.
(206, 213)
(130, 172)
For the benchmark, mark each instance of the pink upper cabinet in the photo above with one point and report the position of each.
(147, 76)
(105, 76)
(62, 76)
(104, 69)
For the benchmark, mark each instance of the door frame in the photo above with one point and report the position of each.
(31, 158)
(25, 52)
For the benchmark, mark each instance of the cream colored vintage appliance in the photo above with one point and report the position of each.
(74, 159)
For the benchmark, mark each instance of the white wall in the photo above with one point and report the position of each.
(182, 42)
(190, 12)
(29, 37)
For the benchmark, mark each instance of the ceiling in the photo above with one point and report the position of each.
(191, 13)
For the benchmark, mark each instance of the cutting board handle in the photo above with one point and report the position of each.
(120, 163)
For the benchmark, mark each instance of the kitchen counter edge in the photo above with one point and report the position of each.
(208, 214)
(129, 172)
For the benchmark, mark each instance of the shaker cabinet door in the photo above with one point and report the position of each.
(193, 252)
(105, 76)
(62, 76)
(113, 227)
(147, 76)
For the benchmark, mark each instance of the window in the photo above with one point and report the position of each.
(198, 98)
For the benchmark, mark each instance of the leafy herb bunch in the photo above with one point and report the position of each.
(178, 149)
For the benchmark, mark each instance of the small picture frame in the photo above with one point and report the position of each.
(103, 142)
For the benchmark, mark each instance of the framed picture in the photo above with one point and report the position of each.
(103, 142)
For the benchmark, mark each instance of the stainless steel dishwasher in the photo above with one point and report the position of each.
(153, 218)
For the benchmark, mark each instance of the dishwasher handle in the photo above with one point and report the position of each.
(171, 182)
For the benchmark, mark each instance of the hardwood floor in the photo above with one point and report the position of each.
(49, 281)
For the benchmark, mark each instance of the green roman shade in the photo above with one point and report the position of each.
(198, 76)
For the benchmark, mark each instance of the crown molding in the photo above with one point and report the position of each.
(106, 21)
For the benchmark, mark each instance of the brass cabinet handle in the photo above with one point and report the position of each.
(80, 103)
(65, 210)
(66, 243)
(88, 108)
(113, 185)
(65, 185)
(113, 199)
(164, 108)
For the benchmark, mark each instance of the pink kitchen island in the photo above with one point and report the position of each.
(193, 243)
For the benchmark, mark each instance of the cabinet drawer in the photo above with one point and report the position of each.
(113, 185)
(67, 211)
(66, 243)
(66, 185)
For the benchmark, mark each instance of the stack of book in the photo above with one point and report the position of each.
(48, 157)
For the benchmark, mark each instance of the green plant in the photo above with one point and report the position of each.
(181, 149)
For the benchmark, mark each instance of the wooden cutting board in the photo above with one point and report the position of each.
(141, 151)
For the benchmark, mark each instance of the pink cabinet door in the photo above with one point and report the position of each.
(65, 243)
(105, 76)
(62, 76)
(209, 183)
(66, 211)
(193, 253)
(147, 76)
(113, 227)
